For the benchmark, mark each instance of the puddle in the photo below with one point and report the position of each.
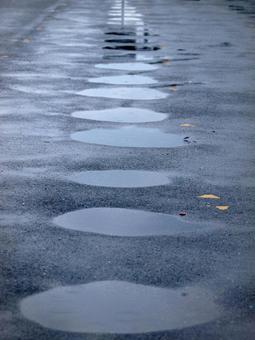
(117, 56)
(130, 136)
(128, 222)
(124, 80)
(131, 93)
(120, 307)
(132, 48)
(121, 41)
(121, 178)
(128, 66)
(121, 115)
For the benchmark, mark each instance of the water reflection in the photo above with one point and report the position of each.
(121, 178)
(128, 222)
(120, 307)
(135, 66)
(131, 93)
(124, 80)
(130, 136)
(121, 115)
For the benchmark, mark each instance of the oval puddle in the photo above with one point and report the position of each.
(132, 48)
(131, 93)
(129, 136)
(128, 66)
(121, 115)
(124, 80)
(120, 178)
(128, 222)
(120, 307)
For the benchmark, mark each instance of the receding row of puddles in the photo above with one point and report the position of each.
(120, 307)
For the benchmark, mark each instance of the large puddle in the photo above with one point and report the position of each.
(121, 115)
(128, 66)
(121, 178)
(128, 222)
(131, 93)
(124, 80)
(120, 307)
(130, 136)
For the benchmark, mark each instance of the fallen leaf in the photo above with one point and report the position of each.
(166, 61)
(209, 196)
(222, 207)
(173, 88)
(186, 125)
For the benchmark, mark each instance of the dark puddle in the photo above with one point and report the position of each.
(128, 222)
(121, 178)
(134, 66)
(124, 80)
(132, 48)
(121, 115)
(117, 56)
(120, 307)
(121, 41)
(130, 136)
(131, 93)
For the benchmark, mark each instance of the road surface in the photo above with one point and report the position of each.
(170, 168)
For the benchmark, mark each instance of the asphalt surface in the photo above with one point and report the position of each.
(208, 72)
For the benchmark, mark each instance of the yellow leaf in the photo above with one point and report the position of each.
(172, 88)
(222, 207)
(209, 196)
(186, 125)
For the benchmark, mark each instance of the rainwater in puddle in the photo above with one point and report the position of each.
(128, 66)
(132, 48)
(121, 178)
(124, 80)
(128, 222)
(120, 307)
(121, 115)
(131, 93)
(129, 136)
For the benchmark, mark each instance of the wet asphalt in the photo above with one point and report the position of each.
(205, 54)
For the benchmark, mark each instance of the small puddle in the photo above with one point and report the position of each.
(124, 80)
(120, 307)
(128, 222)
(131, 93)
(121, 41)
(121, 178)
(132, 48)
(130, 136)
(128, 66)
(121, 115)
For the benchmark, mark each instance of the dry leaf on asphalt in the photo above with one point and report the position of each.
(209, 196)
(222, 207)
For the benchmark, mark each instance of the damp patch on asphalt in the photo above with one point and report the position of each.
(130, 136)
(121, 178)
(120, 307)
(121, 115)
